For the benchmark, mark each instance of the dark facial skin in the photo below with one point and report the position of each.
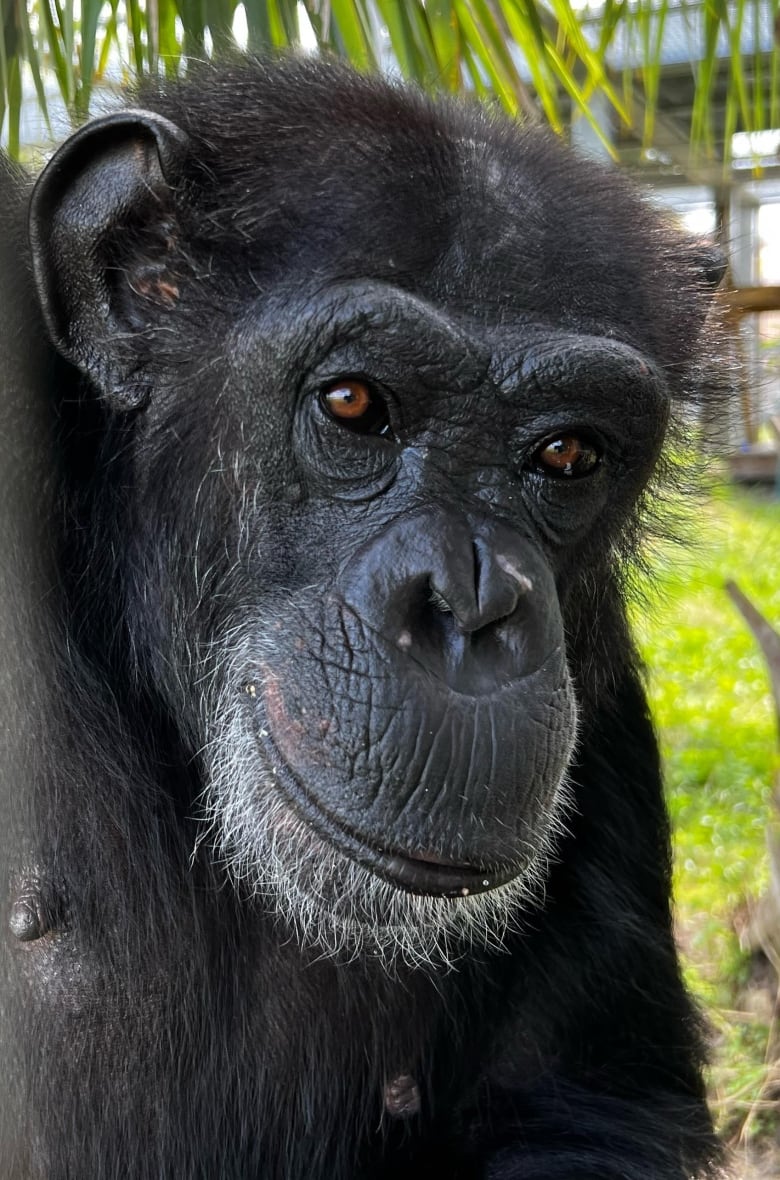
(434, 680)
(346, 787)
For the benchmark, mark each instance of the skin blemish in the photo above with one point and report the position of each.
(158, 288)
(523, 581)
(291, 735)
(35, 912)
(402, 1097)
(284, 727)
(404, 641)
(167, 293)
(495, 174)
(27, 920)
(250, 690)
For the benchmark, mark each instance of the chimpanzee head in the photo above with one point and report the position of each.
(370, 389)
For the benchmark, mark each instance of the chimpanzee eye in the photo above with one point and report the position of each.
(352, 403)
(567, 456)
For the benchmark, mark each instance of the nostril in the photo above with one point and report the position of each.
(439, 601)
(437, 619)
(478, 562)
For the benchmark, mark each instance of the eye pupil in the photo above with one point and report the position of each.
(567, 456)
(355, 405)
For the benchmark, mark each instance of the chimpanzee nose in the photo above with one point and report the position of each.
(467, 598)
(477, 583)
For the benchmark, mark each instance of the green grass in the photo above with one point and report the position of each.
(709, 689)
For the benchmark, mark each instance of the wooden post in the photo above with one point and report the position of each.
(763, 930)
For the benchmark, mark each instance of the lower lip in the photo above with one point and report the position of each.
(406, 871)
(421, 876)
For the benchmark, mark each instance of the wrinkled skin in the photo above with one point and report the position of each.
(338, 849)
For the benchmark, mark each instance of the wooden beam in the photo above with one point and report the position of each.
(752, 299)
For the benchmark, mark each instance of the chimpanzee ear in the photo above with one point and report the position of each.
(102, 233)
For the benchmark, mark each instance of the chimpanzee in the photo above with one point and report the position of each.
(332, 826)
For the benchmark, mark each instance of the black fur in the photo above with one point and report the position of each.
(158, 1019)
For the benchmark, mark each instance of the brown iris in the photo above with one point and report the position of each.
(347, 399)
(567, 456)
(355, 405)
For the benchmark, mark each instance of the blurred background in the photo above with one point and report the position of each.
(685, 97)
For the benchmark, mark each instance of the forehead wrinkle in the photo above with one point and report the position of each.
(464, 443)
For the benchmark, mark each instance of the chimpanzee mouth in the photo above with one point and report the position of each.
(415, 872)
(412, 871)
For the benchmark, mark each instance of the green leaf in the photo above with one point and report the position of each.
(14, 104)
(258, 25)
(652, 25)
(353, 25)
(135, 25)
(168, 44)
(774, 89)
(407, 27)
(193, 20)
(759, 102)
(478, 28)
(51, 37)
(588, 58)
(90, 12)
(446, 38)
(474, 72)
(35, 69)
(3, 75)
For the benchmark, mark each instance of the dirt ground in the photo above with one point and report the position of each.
(763, 1167)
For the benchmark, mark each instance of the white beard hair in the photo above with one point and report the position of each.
(329, 903)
